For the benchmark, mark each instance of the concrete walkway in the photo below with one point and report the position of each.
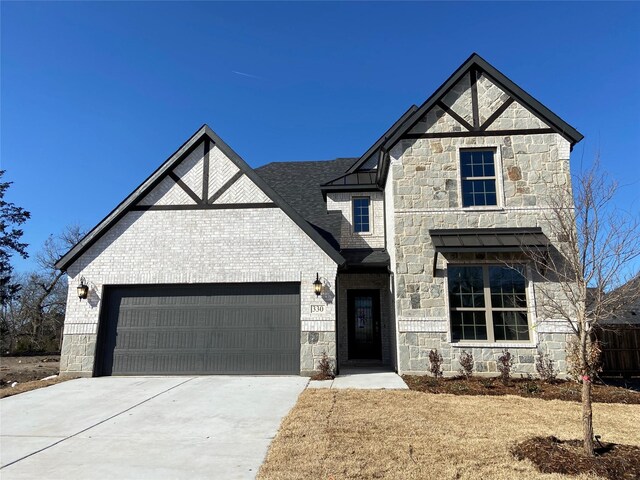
(362, 379)
(144, 427)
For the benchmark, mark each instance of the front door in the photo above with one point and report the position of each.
(364, 324)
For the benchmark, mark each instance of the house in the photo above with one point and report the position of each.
(619, 335)
(212, 267)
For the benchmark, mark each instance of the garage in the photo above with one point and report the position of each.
(248, 328)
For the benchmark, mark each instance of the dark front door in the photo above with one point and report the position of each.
(364, 324)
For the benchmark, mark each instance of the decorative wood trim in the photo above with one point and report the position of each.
(474, 98)
(454, 115)
(487, 133)
(185, 187)
(225, 187)
(205, 168)
(494, 116)
(203, 206)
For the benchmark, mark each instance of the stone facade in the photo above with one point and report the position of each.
(201, 246)
(426, 183)
(414, 348)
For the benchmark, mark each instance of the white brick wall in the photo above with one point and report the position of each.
(342, 202)
(197, 246)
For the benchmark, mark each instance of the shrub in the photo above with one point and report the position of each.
(545, 367)
(466, 364)
(505, 363)
(435, 360)
(530, 387)
(487, 382)
(325, 369)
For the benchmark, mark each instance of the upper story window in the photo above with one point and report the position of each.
(478, 172)
(488, 303)
(361, 207)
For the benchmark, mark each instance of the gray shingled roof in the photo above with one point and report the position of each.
(298, 183)
(630, 313)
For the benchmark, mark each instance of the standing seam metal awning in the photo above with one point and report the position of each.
(499, 240)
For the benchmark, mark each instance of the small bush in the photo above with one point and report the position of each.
(325, 369)
(545, 367)
(505, 363)
(435, 361)
(530, 387)
(466, 364)
(487, 382)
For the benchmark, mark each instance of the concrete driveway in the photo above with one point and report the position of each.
(144, 427)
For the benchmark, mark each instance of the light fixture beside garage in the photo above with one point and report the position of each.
(317, 285)
(83, 289)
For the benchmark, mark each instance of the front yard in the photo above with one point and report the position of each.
(363, 434)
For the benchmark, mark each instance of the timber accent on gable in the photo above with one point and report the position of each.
(203, 174)
(205, 178)
(475, 106)
(476, 100)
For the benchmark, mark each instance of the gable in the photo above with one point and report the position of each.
(476, 104)
(204, 178)
(475, 100)
(204, 173)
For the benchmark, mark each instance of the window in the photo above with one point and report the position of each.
(488, 303)
(361, 214)
(478, 173)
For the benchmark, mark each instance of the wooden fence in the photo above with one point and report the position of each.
(620, 349)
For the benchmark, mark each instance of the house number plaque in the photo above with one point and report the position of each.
(317, 308)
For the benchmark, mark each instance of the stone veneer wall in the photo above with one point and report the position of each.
(342, 202)
(372, 281)
(415, 347)
(426, 195)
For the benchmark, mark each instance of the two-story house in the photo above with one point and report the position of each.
(210, 266)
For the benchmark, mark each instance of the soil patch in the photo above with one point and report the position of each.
(26, 369)
(523, 387)
(550, 455)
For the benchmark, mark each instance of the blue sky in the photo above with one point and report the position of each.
(94, 96)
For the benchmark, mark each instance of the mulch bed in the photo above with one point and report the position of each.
(530, 388)
(550, 455)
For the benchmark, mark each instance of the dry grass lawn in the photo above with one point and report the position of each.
(362, 434)
(28, 386)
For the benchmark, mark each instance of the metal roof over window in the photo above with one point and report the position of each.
(497, 240)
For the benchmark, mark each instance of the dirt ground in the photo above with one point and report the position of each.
(360, 434)
(529, 388)
(27, 368)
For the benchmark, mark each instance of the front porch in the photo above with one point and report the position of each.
(365, 322)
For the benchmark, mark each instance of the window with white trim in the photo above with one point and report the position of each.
(478, 177)
(361, 218)
(488, 303)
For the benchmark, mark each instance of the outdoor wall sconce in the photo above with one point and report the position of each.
(317, 285)
(83, 289)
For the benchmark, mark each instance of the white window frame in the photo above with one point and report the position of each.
(491, 342)
(497, 159)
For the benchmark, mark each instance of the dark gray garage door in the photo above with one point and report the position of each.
(200, 329)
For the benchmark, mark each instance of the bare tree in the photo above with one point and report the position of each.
(586, 278)
(34, 319)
